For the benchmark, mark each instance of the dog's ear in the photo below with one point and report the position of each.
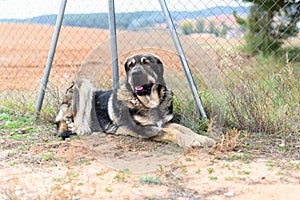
(160, 68)
(158, 60)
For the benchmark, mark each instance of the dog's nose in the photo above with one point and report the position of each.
(137, 73)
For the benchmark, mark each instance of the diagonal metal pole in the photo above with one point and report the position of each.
(113, 43)
(50, 57)
(182, 56)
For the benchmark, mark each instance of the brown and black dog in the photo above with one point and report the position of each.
(141, 106)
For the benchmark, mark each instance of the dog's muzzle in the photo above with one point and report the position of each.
(145, 89)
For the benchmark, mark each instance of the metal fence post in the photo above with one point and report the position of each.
(113, 43)
(182, 56)
(50, 57)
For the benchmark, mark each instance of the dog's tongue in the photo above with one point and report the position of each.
(138, 88)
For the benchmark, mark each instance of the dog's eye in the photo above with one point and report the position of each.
(144, 60)
(131, 63)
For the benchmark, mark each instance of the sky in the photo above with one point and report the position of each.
(21, 9)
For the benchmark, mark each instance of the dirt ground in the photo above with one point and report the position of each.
(35, 164)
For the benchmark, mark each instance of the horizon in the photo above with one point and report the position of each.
(14, 9)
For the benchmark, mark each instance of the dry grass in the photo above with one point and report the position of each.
(228, 141)
(268, 104)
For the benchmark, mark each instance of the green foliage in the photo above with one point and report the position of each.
(187, 27)
(148, 179)
(224, 29)
(268, 24)
(200, 26)
(290, 53)
(121, 175)
(212, 28)
(210, 170)
(48, 156)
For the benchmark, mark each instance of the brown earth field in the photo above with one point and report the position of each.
(36, 164)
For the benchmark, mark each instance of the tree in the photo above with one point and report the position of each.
(269, 23)
(224, 29)
(200, 26)
(187, 27)
(212, 28)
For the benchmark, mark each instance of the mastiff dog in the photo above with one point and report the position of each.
(141, 107)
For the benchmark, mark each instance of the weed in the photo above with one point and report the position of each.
(80, 184)
(4, 116)
(188, 159)
(213, 161)
(161, 169)
(58, 180)
(294, 165)
(279, 173)
(198, 171)
(210, 170)
(228, 178)
(247, 162)
(121, 175)
(48, 156)
(148, 179)
(213, 178)
(183, 169)
(73, 174)
(266, 104)
(246, 172)
(108, 189)
(225, 165)
(240, 157)
(81, 161)
(228, 141)
(88, 162)
(59, 159)
(19, 137)
(13, 163)
(270, 164)
(11, 154)
(23, 147)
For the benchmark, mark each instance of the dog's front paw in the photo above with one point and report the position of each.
(202, 141)
(81, 130)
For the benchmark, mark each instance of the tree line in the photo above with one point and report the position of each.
(188, 27)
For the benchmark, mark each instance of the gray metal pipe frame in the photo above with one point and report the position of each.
(182, 57)
(113, 43)
(50, 57)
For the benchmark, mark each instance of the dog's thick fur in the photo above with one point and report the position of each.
(140, 107)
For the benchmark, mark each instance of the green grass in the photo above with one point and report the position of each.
(19, 137)
(213, 178)
(121, 175)
(148, 179)
(108, 189)
(243, 156)
(48, 156)
(245, 172)
(210, 170)
(11, 154)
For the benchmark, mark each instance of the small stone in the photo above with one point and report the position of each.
(68, 139)
(75, 197)
(229, 194)
(22, 131)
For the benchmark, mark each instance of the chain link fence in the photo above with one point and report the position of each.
(243, 78)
